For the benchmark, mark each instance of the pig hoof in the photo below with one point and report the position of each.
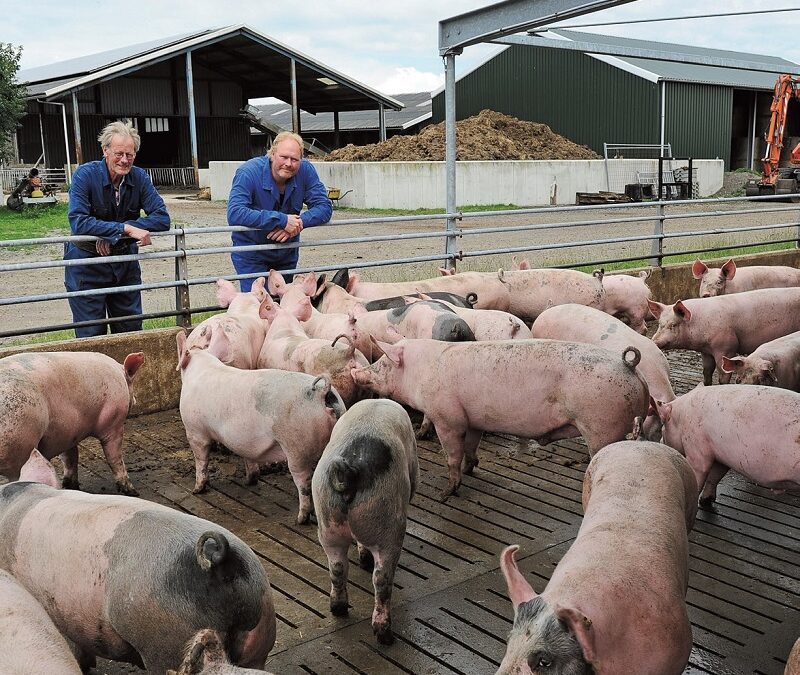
(469, 467)
(70, 483)
(252, 479)
(199, 489)
(303, 518)
(126, 488)
(339, 608)
(707, 502)
(383, 634)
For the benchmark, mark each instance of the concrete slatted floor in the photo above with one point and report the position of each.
(450, 609)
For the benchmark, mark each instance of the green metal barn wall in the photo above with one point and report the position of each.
(698, 120)
(592, 103)
(579, 97)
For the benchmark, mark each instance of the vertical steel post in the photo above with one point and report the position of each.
(381, 122)
(337, 137)
(450, 154)
(657, 248)
(663, 114)
(76, 127)
(295, 107)
(751, 157)
(41, 133)
(182, 303)
(192, 117)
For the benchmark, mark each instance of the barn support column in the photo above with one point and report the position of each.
(295, 109)
(192, 118)
(663, 114)
(41, 133)
(337, 136)
(76, 129)
(381, 122)
(450, 153)
(751, 155)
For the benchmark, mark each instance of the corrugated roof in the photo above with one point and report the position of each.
(259, 63)
(418, 109)
(676, 71)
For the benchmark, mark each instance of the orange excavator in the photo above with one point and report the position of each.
(778, 180)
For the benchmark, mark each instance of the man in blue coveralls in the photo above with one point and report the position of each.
(106, 198)
(268, 193)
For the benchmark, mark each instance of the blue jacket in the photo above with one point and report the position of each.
(254, 202)
(93, 210)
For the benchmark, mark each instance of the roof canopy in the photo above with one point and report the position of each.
(257, 62)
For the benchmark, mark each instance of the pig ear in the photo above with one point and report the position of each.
(341, 277)
(699, 268)
(219, 345)
(180, 340)
(225, 292)
(445, 272)
(655, 308)
(267, 309)
(302, 310)
(682, 311)
(730, 365)
(309, 284)
(664, 410)
(276, 284)
(394, 354)
(38, 469)
(729, 269)
(519, 590)
(132, 363)
(581, 627)
(257, 288)
(352, 280)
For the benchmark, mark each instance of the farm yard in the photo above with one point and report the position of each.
(451, 612)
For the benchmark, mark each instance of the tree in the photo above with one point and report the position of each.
(12, 97)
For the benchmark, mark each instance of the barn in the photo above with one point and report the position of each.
(703, 111)
(186, 94)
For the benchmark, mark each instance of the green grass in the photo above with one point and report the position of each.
(33, 222)
(148, 324)
(470, 208)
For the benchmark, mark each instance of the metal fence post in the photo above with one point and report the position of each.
(182, 303)
(657, 248)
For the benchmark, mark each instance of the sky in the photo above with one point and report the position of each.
(391, 47)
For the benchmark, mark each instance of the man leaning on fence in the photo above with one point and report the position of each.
(106, 199)
(268, 193)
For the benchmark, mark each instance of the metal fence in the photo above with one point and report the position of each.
(177, 177)
(619, 174)
(10, 177)
(602, 235)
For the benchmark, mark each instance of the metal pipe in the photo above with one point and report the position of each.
(450, 152)
(381, 122)
(41, 134)
(293, 86)
(663, 112)
(76, 129)
(192, 117)
(751, 157)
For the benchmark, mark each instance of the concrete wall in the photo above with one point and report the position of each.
(411, 185)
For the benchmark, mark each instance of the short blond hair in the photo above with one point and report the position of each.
(119, 128)
(283, 136)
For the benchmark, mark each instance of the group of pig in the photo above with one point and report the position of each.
(295, 381)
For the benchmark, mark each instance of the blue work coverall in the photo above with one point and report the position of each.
(255, 201)
(93, 210)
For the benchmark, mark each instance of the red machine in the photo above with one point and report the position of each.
(776, 180)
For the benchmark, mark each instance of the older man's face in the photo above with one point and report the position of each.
(119, 156)
(285, 160)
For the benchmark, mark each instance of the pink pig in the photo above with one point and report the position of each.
(751, 429)
(240, 326)
(616, 602)
(727, 325)
(261, 415)
(730, 279)
(587, 324)
(541, 389)
(773, 364)
(52, 401)
(288, 347)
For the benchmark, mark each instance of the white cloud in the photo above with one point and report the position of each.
(408, 80)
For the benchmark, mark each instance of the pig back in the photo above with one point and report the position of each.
(639, 502)
(130, 581)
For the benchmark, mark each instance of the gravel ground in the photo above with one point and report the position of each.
(555, 229)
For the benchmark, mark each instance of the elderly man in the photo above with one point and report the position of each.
(268, 193)
(106, 199)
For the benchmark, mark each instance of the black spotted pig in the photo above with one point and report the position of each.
(260, 415)
(616, 602)
(362, 487)
(30, 644)
(130, 580)
(541, 389)
(206, 655)
(52, 401)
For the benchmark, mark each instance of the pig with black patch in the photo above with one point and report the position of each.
(362, 487)
(129, 580)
